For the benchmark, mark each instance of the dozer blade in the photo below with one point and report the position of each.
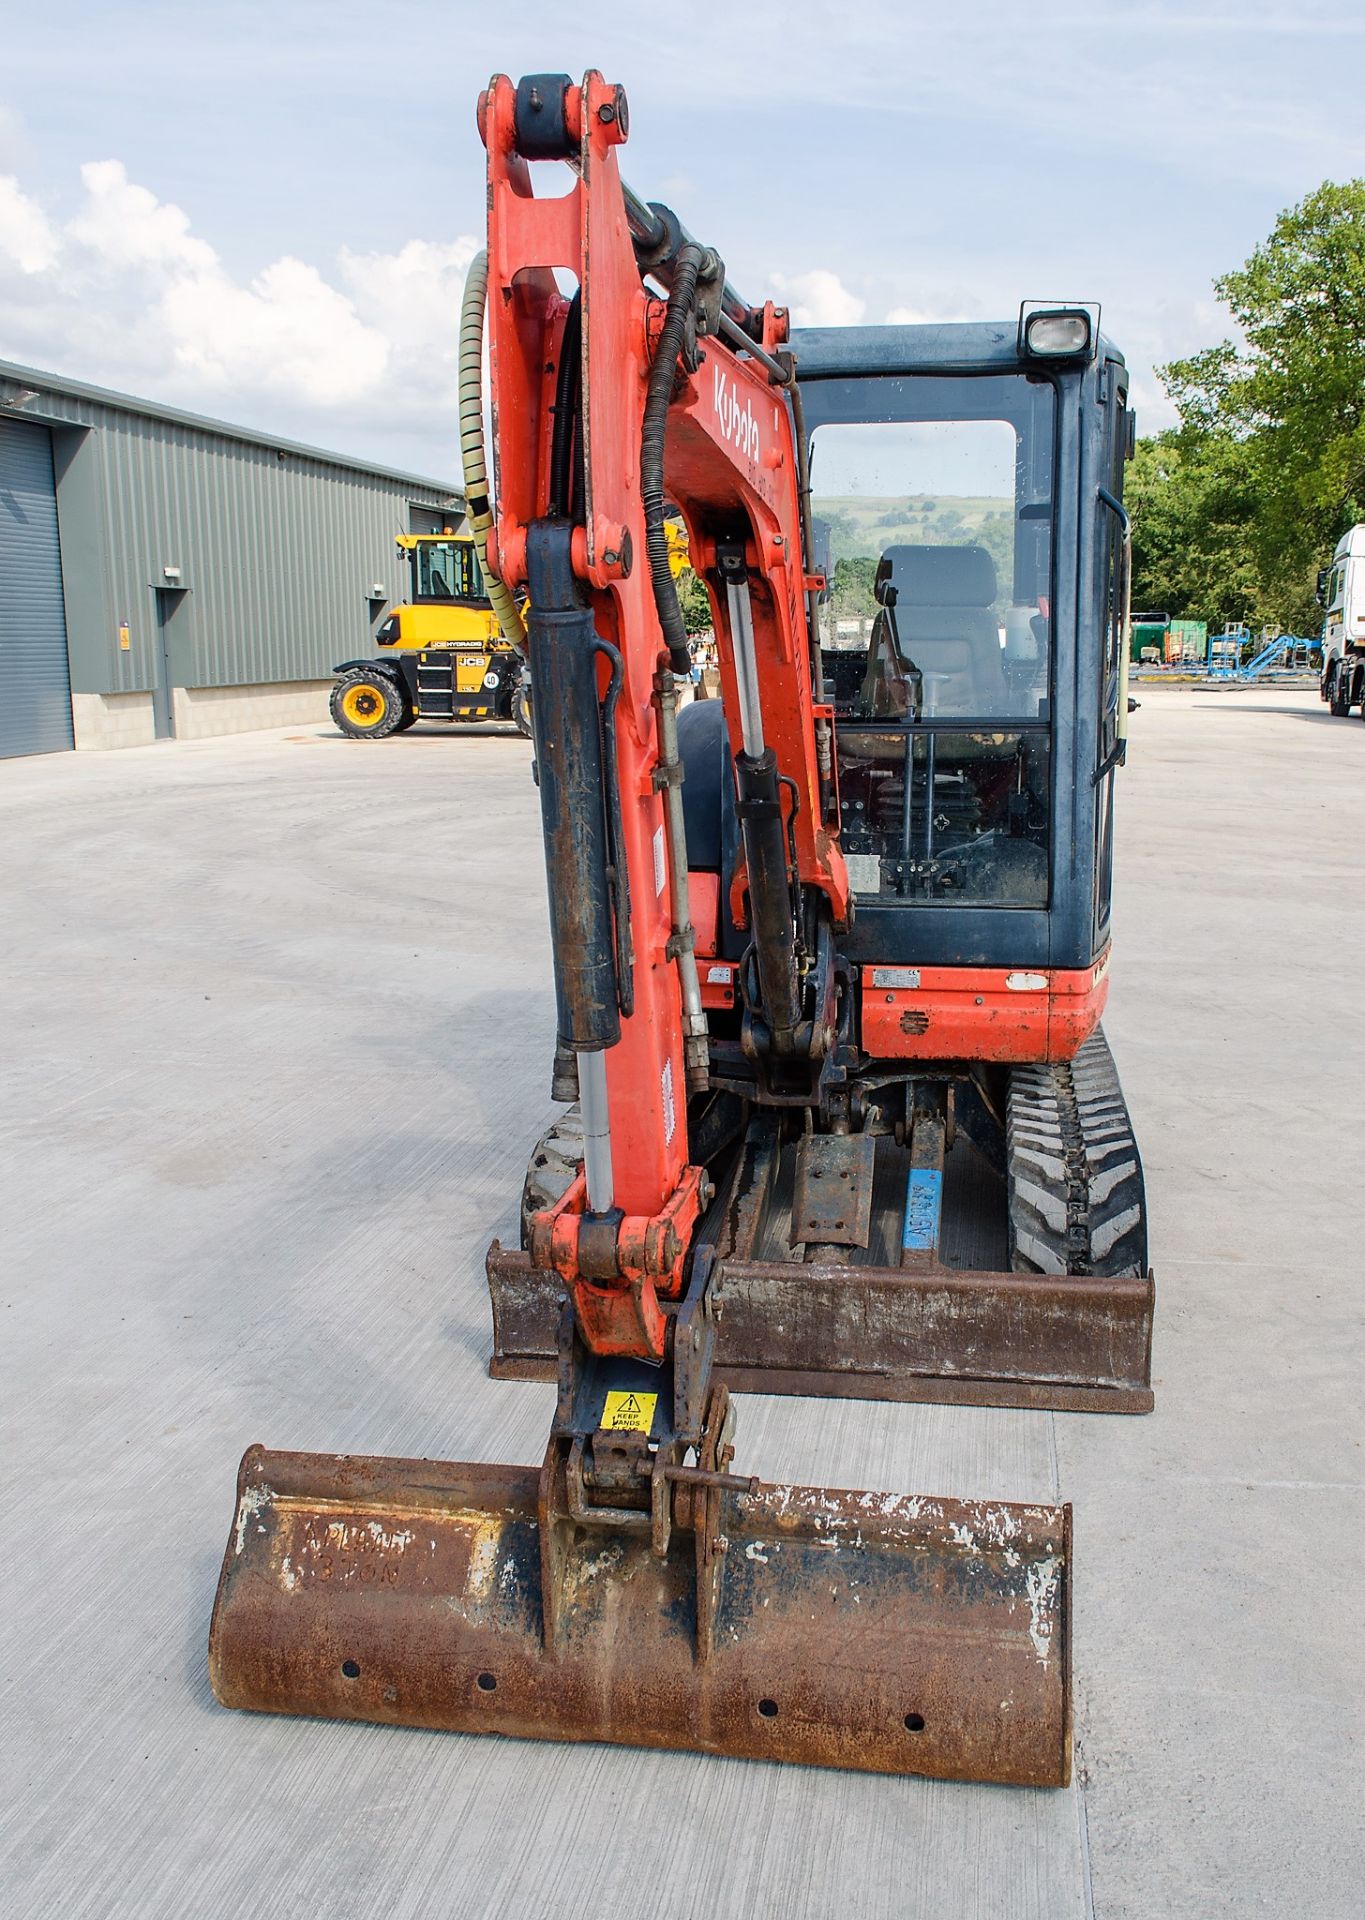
(876, 1632)
(1067, 1341)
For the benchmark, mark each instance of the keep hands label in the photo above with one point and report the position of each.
(629, 1412)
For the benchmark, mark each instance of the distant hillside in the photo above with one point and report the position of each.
(862, 525)
(866, 523)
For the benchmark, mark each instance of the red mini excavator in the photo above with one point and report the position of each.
(830, 956)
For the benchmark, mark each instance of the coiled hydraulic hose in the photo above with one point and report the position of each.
(477, 502)
(682, 298)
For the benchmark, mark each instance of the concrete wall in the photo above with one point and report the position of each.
(200, 713)
(113, 719)
(204, 712)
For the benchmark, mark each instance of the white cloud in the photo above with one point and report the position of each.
(412, 298)
(127, 294)
(288, 332)
(818, 298)
(907, 317)
(128, 226)
(26, 235)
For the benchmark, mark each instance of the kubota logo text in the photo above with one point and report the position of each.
(737, 421)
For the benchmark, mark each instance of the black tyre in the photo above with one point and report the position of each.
(368, 706)
(1077, 1203)
(553, 1169)
(1338, 695)
(521, 708)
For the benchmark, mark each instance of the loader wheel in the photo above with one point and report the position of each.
(1077, 1203)
(367, 706)
(521, 710)
(553, 1169)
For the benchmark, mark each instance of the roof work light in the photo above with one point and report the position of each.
(1056, 333)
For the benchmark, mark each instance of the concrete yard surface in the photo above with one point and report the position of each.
(278, 1022)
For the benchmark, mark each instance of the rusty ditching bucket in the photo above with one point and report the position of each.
(879, 1632)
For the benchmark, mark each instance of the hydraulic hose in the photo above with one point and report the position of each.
(477, 502)
(568, 399)
(682, 299)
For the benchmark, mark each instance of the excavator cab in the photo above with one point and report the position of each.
(830, 954)
(970, 643)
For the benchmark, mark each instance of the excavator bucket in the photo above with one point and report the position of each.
(877, 1632)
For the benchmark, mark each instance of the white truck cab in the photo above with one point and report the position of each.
(1343, 627)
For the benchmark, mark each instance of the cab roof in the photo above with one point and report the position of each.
(958, 346)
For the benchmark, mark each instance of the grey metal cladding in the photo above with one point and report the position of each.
(277, 544)
(35, 713)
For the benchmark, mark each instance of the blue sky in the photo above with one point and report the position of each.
(264, 212)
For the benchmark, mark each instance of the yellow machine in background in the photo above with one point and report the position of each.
(445, 658)
(679, 559)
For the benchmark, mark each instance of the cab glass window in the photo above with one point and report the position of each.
(448, 570)
(933, 496)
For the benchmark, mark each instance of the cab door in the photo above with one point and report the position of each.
(1114, 553)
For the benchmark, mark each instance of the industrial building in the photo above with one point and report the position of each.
(168, 576)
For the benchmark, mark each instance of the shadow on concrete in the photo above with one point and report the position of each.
(473, 730)
(1317, 715)
(196, 1650)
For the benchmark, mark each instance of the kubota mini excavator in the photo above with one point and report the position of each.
(830, 956)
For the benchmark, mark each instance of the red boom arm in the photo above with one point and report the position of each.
(730, 461)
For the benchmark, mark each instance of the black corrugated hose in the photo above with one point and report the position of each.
(682, 298)
(568, 400)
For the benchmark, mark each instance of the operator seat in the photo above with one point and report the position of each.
(943, 615)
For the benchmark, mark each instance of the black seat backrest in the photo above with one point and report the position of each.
(945, 617)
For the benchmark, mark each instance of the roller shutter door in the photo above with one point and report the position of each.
(35, 683)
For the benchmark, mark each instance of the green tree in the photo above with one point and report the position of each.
(695, 602)
(1269, 457)
(996, 535)
(850, 589)
(1193, 506)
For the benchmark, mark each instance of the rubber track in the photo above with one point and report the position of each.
(554, 1165)
(1076, 1198)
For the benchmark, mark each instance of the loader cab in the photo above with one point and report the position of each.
(447, 604)
(444, 568)
(971, 633)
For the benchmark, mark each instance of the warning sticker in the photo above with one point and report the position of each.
(670, 1105)
(660, 871)
(629, 1412)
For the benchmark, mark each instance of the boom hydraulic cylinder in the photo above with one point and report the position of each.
(567, 717)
